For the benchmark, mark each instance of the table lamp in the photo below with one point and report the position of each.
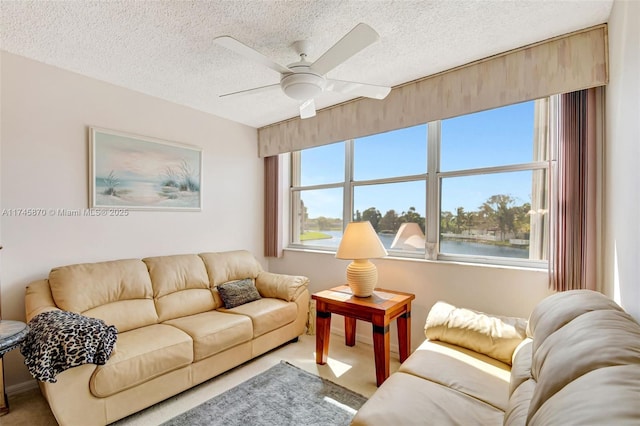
(361, 243)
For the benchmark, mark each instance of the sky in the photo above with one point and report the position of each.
(134, 158)
(489, 138)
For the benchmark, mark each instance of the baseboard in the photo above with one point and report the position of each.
(21, 387)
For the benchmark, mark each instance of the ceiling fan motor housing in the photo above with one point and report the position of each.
(302, 84)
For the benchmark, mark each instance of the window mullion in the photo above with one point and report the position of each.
(321, 186)
(411, 178)
(294, 198)
(433, 189)
(534, 165)
(347, 193)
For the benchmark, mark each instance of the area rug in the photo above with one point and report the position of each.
(282, 395)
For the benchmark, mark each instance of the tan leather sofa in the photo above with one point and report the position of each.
(578, 364)
(173, 330)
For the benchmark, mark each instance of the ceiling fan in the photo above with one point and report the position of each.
(304, 81)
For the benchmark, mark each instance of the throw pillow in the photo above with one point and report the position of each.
(236, 293)
(492, 335)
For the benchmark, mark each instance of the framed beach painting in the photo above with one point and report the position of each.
(142, 173)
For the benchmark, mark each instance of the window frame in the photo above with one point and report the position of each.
(433, 186)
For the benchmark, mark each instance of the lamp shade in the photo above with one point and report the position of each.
(360, 241)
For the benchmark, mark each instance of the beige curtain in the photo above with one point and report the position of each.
(272, 217)
(574, 260)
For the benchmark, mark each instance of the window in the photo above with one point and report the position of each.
(472, 188)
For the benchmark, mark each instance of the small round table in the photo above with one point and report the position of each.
(12, 334)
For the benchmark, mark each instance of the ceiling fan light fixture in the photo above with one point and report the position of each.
(303, 81)
(302, 86)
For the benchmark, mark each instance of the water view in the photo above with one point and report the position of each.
(446, 246)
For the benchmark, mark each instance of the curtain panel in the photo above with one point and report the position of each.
(272, 208)
(560, 65)
(573, 263)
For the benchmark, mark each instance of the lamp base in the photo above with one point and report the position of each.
(362, 277)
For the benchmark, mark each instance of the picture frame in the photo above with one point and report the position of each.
(134, 172)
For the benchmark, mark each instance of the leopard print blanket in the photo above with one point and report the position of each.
(59, 340)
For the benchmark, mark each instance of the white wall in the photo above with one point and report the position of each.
(622, 158)
(44, 164)
(498, 290)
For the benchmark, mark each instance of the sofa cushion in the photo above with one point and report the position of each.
(405, 399)
(606, 396)
(141, 355)
(267, 314)
(555, 311)
(521, 385)
(213, 332)
(463, 370)
(118, 292)
(521, 368)
(236, 293)
(495, 336)
(180, 285)
(594, 340)
(519, 402)
(230, 266)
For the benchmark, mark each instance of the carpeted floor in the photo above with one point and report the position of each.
(282, 395)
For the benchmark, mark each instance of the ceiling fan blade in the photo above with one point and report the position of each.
(357, 89)
(353, 42)
(251, 91)
(308, 109)
(249, 53)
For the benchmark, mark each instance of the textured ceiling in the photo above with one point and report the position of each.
(165, 49)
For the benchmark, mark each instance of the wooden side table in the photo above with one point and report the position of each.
(382, 307)
(12, 334)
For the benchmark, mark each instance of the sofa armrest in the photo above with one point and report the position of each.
(38, 299)
(285, 287)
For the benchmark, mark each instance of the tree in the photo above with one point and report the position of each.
(304, 217)
(471, 220)
(372, 215)
(461, 220)
(522, 220)
(389, 221)
(324, 224)
(499, 209)
(447, 222)
(412, 216)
